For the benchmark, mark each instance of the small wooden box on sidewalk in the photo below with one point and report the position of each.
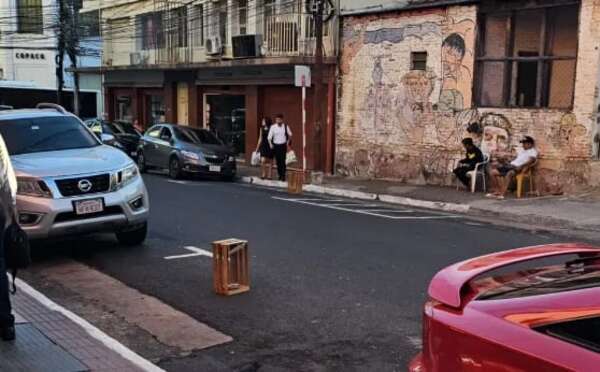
(295, 180)
(230, 267)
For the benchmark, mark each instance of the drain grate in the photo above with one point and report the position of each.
(34, 352)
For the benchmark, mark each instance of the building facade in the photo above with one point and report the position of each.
(28, 50)
(222, 65)
(418, 76)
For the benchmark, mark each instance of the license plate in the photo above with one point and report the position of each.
(214, 168)
(89, 206)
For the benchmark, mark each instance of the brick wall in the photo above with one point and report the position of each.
(407, 125)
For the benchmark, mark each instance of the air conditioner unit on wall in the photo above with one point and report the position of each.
(246, 46)
(214, 46)
(137, 58)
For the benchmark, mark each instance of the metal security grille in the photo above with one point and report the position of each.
(70, 186)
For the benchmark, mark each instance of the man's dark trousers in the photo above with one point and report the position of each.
(461, 174)
(6, 318)
(280, 153)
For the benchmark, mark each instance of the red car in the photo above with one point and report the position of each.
(541, 319)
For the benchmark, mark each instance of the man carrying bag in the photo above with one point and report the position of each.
(280, 138)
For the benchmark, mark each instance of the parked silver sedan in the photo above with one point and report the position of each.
(184, 150)
(68, 182)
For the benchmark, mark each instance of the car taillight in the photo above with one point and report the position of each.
(428, 316)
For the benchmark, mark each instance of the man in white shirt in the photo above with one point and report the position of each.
(280, 137)
(503, 174)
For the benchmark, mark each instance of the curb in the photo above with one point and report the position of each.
(91, 330)
(352, 194)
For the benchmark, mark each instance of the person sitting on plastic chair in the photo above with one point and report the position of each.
(502, 174)
(473, 157)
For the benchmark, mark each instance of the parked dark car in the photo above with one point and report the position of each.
(119, 134)
(184, 150)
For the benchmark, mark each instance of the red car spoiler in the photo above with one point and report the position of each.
(447, 284)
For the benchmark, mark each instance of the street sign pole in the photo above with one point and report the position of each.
(302, 80)
(304, 127)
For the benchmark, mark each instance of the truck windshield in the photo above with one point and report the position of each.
(40, 134)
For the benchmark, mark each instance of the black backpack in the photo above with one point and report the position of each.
(16, 251)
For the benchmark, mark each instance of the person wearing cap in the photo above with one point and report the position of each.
(472, 157)
(503, 174)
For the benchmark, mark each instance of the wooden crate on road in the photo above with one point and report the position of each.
(230, 267)
(295, 180)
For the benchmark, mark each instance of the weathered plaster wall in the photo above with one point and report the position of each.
(403, 124)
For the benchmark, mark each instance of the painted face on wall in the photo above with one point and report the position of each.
(453, 53)
(418, 86)
(494, 140)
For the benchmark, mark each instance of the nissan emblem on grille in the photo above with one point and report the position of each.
(84, 185)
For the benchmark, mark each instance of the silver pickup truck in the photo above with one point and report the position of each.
(68, 182)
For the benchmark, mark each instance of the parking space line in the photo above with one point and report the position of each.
(196, 252)
(358, 211)
(352, 205)
(389, 210)
(320, 200)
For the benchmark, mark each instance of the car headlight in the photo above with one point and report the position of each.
(125, 176)
(118, 145)
(33, 187)
(190, 155)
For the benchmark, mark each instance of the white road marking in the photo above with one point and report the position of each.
(94, 332)
(323, 200)
(437, 217)
(352, 205)
(187, 183)
(389, 210)
(197, 252)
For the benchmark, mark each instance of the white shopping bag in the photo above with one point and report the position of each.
(255, 160)
(290, 157)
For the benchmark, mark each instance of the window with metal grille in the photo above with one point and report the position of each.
(150, 29)
(526, 57)
(242, 17)
(179, 27)
(30, 17)
(197, 23)
(418, 61)
(89, 24)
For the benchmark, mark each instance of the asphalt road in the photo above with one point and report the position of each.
(336, 284)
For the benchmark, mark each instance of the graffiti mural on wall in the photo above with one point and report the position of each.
(571, 134)
(418, 86)
(453, 53)
(399, 34)
(496, 137)
(457, 59)
(407, 124)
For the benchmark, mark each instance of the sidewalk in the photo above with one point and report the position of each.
(579, 212)
(50, 338)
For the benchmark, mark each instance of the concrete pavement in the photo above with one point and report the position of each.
(51, 338)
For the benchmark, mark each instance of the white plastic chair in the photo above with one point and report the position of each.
(480, 170)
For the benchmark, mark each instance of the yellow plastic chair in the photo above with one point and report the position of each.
(527, 174)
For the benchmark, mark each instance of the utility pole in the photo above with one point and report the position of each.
(59, 59)
(318, 8)
(72, 51)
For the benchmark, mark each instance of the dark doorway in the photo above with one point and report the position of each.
(226, 116)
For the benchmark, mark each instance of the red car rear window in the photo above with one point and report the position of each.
(581, 332)
(546, 282)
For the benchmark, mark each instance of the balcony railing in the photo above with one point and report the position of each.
(294, 35)
(286, 35)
